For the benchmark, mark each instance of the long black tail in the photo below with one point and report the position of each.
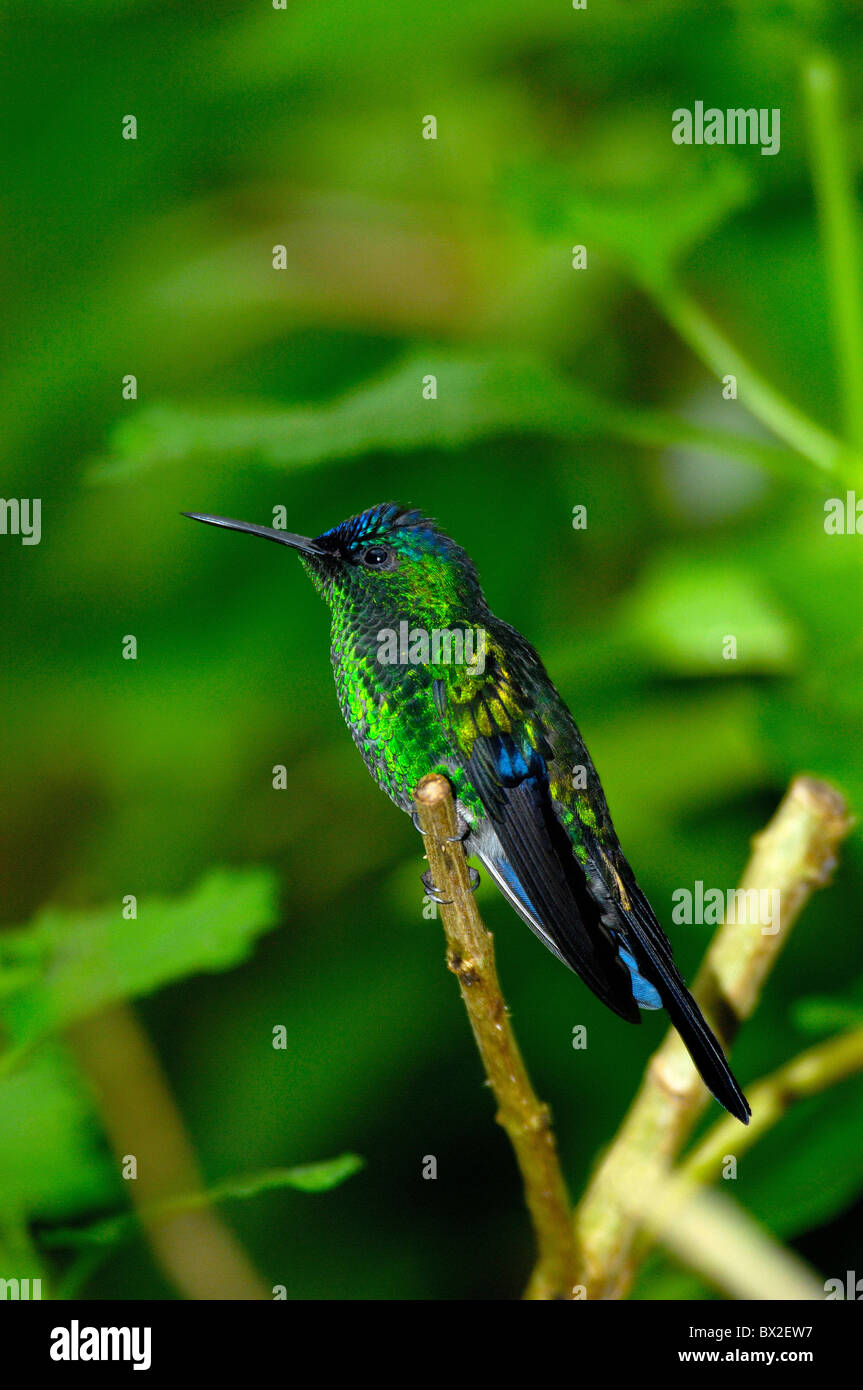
(703, 1048)
(653, 954)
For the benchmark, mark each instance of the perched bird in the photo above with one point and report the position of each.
(528, 796)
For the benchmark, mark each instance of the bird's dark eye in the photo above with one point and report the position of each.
(376, 556)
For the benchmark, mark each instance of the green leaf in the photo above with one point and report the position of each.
(96, 957)
(481, 394)
(478, 394)
(310, 1177)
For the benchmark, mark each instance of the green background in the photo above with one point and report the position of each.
(301, 388)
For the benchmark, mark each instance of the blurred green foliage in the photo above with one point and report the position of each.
(302, 388)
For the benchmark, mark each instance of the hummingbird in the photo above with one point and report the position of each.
(530, 803)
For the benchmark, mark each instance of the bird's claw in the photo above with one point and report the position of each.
(432, 891)
(473, 884)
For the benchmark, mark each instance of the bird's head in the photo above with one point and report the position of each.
(389, 560)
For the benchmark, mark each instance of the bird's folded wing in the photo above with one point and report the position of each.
(504, 757)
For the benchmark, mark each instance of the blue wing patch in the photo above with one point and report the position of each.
(646, 996)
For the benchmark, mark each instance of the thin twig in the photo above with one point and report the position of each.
(808, 1074)
(470, 955)
(792, 856)
(786, 420)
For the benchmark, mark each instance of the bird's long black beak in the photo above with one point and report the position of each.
(269, 533)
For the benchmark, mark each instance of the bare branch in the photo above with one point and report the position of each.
(470, 955)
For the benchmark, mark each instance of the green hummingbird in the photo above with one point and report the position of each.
(429, 680)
